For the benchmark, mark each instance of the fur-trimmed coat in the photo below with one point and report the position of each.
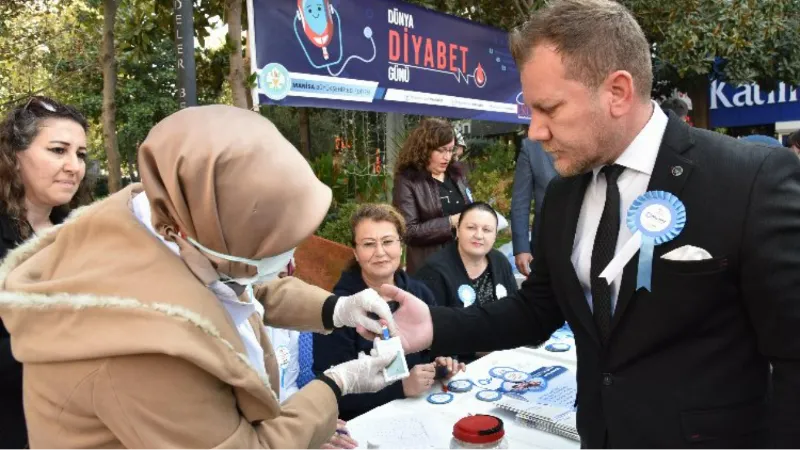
(123, 347)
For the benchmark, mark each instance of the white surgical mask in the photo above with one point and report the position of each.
(268, 268)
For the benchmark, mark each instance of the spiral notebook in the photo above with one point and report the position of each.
(551, 419)
(550, 405)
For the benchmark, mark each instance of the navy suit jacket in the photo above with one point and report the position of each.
(533, 173)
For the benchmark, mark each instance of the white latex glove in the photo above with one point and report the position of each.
(362, 375)
(352, 311)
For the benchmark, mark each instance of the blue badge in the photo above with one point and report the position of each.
(516, 376)
(440, 398)
(466, 294)
(558, 347)
(460, 385)
(660, 217)
(488, 396)
(274, 81)
(655, 217)
(498, 372)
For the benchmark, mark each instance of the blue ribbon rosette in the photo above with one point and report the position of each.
(654, 218)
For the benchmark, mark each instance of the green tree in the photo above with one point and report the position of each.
(109, 67)
(755, 40)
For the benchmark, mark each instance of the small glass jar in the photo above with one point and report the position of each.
(479, 431)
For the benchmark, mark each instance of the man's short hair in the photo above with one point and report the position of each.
(594, 38)
(794, 139)
(676, 105)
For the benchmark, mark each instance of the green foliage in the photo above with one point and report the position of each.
(336, 226)
(758, 39)
(493, 176)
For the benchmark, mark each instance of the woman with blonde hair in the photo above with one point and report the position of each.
(377, 233)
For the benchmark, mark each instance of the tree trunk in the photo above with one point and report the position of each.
(246, 65)
(109, 64)
(698, 93)
(236, 78)
(305, 133)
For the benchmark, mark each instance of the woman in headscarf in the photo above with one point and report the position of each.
(140, 320)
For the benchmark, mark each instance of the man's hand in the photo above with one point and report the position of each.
(523, 263)
(412, 320)
(352, 312)
(362, 375)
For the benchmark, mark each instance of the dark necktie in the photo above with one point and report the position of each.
(605, 243)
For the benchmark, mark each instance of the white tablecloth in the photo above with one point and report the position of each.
(415, 423)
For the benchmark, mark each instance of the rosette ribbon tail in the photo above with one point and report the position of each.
(622, 257)
(645, 272)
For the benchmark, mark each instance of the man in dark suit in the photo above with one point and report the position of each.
(709, 356)
(532, 174)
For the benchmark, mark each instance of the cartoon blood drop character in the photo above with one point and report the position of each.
(317, 22)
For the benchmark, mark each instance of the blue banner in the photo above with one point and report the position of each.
(734, 106)
(383, 55)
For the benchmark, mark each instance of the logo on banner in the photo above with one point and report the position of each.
(274, 81)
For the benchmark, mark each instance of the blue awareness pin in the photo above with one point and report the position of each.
(466, 294)
(659, 217)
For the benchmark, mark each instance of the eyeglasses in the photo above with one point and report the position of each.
(387, 244)
(446, 150)
(39, 102)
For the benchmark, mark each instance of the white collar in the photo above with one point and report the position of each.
(641, 154)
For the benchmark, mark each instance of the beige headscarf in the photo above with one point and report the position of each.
(227, 178)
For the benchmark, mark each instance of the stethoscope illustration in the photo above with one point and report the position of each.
(316, 17)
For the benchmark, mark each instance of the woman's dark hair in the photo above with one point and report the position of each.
(479, 206)
(18, 130)
(429, 135)
(377, 212)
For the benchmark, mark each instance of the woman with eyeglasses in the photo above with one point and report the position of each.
(42, 168)
(377, 233)
(430, 190)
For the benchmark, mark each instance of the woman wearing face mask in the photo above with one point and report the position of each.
(127, 320)
(430, 190)
(470, 271)
(42, 167)
(377, 232)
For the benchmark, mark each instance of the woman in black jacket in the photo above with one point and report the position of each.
(430, 190)
(377, 232)
(470, 271)
(42, 168)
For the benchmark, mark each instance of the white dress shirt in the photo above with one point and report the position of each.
(638, 159)
(239, 312)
